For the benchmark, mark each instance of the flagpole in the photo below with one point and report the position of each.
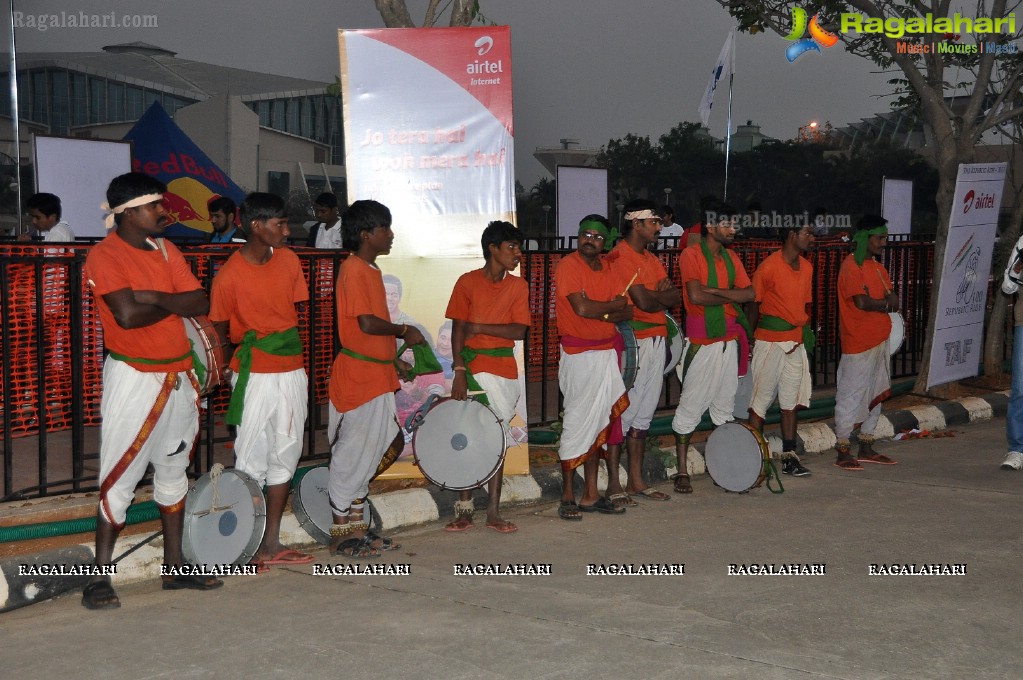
(728, 137)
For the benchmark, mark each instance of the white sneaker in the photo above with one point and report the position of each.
(1013, 461)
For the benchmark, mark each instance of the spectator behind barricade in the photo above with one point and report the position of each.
(327, 232)
(223, 215)
(753, 223)
(671, 232)
(44, 209)
(692, 235)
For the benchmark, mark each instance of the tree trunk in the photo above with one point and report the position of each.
(394, 13)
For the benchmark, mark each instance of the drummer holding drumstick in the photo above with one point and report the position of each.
(652, 293)
(717, 332)
(489, 311)
(253, 302)
(865, 298)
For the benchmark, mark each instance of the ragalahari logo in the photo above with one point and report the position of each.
(818, 36)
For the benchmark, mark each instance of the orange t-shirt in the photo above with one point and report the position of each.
(477, 299)
(260, 297)
(861, 330)
(624, 261)
(783, 292)
(573, 275)
(693, 267)
(113, 265)
(354, 382)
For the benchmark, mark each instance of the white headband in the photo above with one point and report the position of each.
(108, 221)
(640, 215)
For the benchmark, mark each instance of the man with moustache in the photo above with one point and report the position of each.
(143, 287)
(716, 351)
(590, 302)
(652, 293)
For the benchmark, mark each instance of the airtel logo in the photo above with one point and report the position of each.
(484, 44)
(979, 201)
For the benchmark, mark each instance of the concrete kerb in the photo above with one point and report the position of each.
(411, 507)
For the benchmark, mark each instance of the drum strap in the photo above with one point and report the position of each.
(283, 344)
(470, 354)
(776, 323)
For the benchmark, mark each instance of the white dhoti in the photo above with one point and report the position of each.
(269, 441)
(136, 432)
(591, 383)
(780, 369)
(864, 382)
(359, 439)
(709, 380)
(503, 396)
(646, 391)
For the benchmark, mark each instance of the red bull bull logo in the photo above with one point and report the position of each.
(186, 201)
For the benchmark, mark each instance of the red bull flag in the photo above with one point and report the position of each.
(164, 151)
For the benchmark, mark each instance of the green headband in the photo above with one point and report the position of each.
(860, 238)
(610, 235)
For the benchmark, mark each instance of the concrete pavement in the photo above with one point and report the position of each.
(946, 503)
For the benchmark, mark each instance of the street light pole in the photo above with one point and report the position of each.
(667, 195)
(546, 212)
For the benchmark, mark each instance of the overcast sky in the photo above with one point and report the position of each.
(587, 69)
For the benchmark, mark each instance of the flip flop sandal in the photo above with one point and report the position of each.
(623, 500)
(568, 510)
(502, 527)
(459, 524)
(878, 458)
(603, 506)
(848, 463)
(682, 483)
(652, 494)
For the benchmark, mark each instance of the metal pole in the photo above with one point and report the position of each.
(15, 122)
(728, 136)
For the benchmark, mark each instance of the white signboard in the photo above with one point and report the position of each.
(962, 295)
(79, 171)
(581, 192)
(897, 204)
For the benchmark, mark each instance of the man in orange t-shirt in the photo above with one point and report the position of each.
(489, 311)
(865, 298)
(652, 294)
(716, 346)
(363, 422)
(253, 302)
(784, 288)
(143, 287)
(590, 301)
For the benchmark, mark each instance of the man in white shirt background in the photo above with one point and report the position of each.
(44, 209)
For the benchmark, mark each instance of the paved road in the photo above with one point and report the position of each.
(946, 503)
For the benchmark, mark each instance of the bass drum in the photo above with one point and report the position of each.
(674, 346)
(629, 361)
(898, 334)
(311, 503)
(737, 456)
(460, 445)
(209, 347)
(225, 517)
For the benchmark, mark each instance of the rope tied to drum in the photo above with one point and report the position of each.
(215, 472)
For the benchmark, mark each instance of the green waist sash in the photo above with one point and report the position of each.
(200, 370)
(283, 344)
(776, 323)
(469, 354)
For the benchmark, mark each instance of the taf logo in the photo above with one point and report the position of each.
(818, 36)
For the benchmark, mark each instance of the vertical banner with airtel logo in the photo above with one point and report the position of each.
(428, 133)
(962, 295)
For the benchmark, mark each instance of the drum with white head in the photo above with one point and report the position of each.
(630, 357)
(898, 334)
(738, 458)
(459, 445)
(225, 517)
(209, 347)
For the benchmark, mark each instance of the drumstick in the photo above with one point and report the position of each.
(631, 281)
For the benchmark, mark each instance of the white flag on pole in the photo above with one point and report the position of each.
(722, 70)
